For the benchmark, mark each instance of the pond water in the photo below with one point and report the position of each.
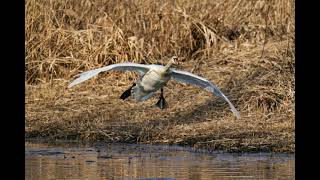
(66, 160)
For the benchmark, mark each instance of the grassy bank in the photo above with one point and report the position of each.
(245, 47)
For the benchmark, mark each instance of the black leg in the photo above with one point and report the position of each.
(162, 102)
(127, 93)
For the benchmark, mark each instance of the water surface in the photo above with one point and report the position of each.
(129, 161)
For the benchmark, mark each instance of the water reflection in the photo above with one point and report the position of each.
(123, 161)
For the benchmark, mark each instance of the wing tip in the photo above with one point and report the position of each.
(70, 85)
(236, 113)
(75, 82)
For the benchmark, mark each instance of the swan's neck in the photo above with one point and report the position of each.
(166, 68)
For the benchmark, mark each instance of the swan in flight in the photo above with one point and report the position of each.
(154, 77)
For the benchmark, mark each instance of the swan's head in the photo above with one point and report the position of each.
(174, 60)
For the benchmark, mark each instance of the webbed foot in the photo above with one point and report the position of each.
(127, 92)
(162, 103)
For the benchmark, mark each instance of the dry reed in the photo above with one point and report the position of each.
(245, 47)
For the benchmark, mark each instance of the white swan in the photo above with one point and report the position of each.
(155, 77)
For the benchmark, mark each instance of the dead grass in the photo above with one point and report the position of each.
(245, 47)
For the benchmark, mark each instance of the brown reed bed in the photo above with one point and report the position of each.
(245, 47)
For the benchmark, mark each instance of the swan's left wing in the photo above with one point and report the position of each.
(140, 68)
(189, 78)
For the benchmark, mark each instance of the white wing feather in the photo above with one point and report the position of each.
(140, 68)
(189, 78)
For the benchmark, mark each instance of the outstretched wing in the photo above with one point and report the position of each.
(139, 68)
(189, 78)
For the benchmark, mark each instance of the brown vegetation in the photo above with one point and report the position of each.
(245, 47)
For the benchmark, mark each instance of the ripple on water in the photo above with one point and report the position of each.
(129, 161)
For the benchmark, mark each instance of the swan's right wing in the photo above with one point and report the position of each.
(189, 78)
(139, 68)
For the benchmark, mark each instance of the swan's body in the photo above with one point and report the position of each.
(155, 77)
